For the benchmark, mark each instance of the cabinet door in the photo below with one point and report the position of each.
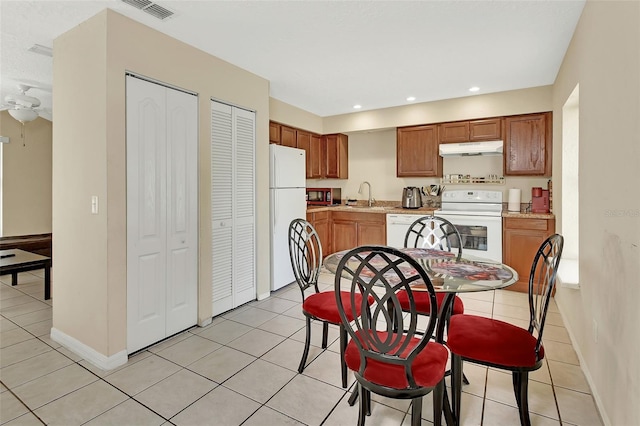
(288, 137)
(489, 129)
(303, 141)
(527, 149)
(417, 152)
(336, 156)
(344, 234)
(315, 157)
(371, 233)
(274, 132)
(322, 228)
(521, 239)
(454, 132)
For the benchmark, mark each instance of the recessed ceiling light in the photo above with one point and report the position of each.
(474, 89)
(411, 98)
(357, 106)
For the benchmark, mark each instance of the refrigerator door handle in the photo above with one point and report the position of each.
(275, 208)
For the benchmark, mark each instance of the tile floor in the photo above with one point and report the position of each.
(241, 370)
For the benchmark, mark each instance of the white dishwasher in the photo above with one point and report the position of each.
(397, 227)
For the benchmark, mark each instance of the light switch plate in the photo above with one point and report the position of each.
(94, 204)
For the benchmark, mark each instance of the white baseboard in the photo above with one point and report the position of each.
(585, 370)
(96, 358)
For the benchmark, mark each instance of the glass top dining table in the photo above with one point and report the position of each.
(450, 274)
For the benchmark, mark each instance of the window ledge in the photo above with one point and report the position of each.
(567, 275)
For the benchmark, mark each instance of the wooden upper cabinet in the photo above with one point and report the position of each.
(457, 131)
(527, 145)
(470, 131)
(274, 132)
(288, 137)
(489, 129)
(336, 155)
(303, 141)
(417, 152)
(315, 158)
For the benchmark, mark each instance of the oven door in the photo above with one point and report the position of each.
(481, 235)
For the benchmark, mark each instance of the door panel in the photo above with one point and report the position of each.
(182, 212)
(146, 207)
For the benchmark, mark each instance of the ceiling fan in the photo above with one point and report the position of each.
(23, 107)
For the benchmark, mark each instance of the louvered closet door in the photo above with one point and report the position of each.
(162, 228)
(233, 206)
(244, 267)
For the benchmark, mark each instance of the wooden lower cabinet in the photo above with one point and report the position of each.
(320, 221)
(350, 230)
(521, 238)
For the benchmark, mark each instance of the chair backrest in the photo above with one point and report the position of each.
(305, 252)
(433, 232)
(380, 272)
(542, 281)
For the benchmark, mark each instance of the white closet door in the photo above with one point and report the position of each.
(244, 207)
(146, 210)
(222, 206)
(233, 206)
(182, 212)
(162, 284)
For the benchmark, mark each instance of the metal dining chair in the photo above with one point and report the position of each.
(498, 344)
(435, 233)
(402, 365)
(305, 251)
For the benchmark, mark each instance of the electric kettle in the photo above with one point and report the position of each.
(411, 198)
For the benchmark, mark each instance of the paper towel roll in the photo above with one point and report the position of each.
(514, 200)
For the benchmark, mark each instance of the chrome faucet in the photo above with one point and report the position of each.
(360, 192)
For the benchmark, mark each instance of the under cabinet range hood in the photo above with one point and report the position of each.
(471, 148)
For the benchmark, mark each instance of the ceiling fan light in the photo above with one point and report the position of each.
(23, 115)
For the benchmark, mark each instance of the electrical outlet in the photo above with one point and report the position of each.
(595, 331)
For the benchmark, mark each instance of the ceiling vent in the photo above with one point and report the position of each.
(151, 8)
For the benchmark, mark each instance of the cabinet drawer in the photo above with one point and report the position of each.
(321, 215)
(535, 224)
(359, 217)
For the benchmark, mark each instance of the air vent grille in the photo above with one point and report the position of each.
(151, 8)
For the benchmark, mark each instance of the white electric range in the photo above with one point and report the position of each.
(478, 217)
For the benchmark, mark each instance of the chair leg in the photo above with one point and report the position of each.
(523, 404)
(438, 398)
(343, 349)
(354, 396)
(363, 405)
(516, 378)
(416, 411)
(325, 332)
(307, 342)
(456, 384)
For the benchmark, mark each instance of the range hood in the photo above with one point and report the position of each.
(470, 148)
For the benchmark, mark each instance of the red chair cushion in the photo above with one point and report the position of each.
(428, 367)
(492, 341)
(423, 305)
(323, 306)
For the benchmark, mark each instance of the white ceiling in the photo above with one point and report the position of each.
(326, 56)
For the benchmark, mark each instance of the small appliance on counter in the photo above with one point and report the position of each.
(324, 196)
(539, 200)
(411, 197)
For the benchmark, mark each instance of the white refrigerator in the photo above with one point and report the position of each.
(286, 202)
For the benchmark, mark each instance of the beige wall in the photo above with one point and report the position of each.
(604, 58)
(26, 176)
(480, 106)
(89, 159)
(294, 117)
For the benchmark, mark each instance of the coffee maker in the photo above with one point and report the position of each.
(539, 200)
